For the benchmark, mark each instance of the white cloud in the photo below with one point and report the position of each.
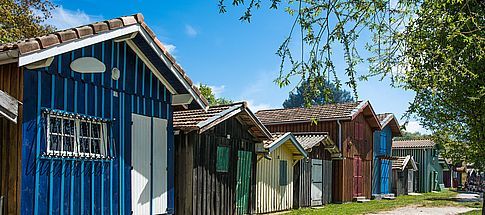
(217, 90)
(258, 106)
(170, 48)
(415, 126)
(190, 31)
(65, 18)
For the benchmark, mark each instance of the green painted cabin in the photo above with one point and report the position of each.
(426, 154)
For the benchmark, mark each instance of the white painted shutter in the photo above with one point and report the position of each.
(317, 182)
(140, 157)
(160, 166)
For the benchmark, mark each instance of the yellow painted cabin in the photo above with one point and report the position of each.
(274, 173)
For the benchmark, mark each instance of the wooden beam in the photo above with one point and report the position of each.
(182, 99)
(125, 37)
(8, 106)
(41, 63)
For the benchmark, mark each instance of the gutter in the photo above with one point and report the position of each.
(340, 136)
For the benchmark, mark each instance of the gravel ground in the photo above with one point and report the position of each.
(415, 210)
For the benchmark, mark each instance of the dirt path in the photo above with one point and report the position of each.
(415, 210)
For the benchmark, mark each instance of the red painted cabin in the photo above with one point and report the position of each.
(350, 126)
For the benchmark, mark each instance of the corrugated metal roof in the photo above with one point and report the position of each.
(287, 139)
(311, 139)
(402, 163)
(413, 143)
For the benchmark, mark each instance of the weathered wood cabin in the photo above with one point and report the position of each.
(94, 130)
(313, 176)
(350, 126)
(274, 174)
(215, 159)
(403, 169)
(382, 156)
(425, 153)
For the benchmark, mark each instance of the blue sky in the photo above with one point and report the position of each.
(236, 58)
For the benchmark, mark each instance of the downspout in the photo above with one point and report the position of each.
(340, 136)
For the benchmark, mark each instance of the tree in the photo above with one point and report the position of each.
(24, 19)
(335, 95)
(211, 98)
(322, 26)
(445, 59)
(413, 136)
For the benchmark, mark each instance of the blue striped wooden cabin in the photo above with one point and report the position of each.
(94, 140)
(382, 155)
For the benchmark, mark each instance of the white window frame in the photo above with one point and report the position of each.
(103, 137)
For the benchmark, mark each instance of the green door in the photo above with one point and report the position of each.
(243, 181)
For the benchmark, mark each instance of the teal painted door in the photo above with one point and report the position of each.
(243, 181)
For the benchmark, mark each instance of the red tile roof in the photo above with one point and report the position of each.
(389, 118)
(328, 111)
(189, 120)
(413, 144)
(32, 45)
(319, 113)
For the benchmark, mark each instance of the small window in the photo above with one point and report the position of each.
(69, 136)
(222, 164)
(283, 173)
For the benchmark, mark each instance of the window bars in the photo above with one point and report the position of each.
(75, 135)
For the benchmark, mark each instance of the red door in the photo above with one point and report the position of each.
(357, 176)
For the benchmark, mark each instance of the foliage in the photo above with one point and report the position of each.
(445, 58)
(211, 98)
(433, 47)
(327, 94)
(24, 19)
(326, 25)
(441, 199)
(413, 136)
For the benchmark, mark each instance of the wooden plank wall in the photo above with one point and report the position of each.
(11, 82)
(327, 181)
(342, 169)
(302, 180)
(270, 196)
(184, 151)
(212, 192)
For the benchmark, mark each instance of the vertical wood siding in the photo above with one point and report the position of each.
(426, 165)
(58, 185)
(270, 196)
(302, 181)
(342, 169)
(212, 192)
(11, 82)
(382, 147)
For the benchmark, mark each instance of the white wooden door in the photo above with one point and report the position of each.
(160, 173)
(140, 161)
(149, 162)
(317, 182)
(410, 181)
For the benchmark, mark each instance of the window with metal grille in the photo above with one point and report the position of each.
(70, 136)
(222, 164)
(283, 173)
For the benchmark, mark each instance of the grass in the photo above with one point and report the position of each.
(440, 199)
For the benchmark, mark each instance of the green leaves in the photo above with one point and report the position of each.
(19, 20)
(211, 98)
